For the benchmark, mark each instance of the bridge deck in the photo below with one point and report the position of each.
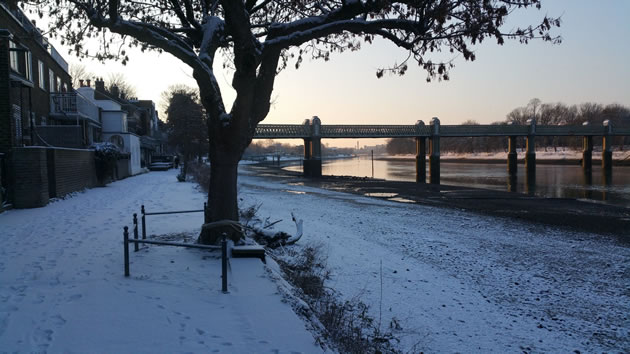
(298, 131)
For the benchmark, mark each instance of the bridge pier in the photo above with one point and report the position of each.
(512, 156)
(530, 154)
(587, 155)
(607, 150)
(434, 152)
(313, 149)
(421, 158)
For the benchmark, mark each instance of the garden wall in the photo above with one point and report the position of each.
(41, 173)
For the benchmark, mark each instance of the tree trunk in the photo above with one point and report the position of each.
(222, 201)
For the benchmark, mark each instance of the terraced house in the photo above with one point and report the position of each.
(47, 126)
(40, 115)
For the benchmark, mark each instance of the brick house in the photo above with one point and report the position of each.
(40, 115)
(130, 123)
(46, 125)
(31, 73)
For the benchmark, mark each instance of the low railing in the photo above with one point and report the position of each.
(145, 214)
(137, 241)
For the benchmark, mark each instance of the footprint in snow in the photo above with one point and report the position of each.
(74, 297)
(58, 320)
(42, 337)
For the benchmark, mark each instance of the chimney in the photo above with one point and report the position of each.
(99, 85)
(115, 91)
(88, 83)
(80, 82)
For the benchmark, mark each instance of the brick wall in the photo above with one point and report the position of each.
(41, 173)
(30, 177)
(74, 170)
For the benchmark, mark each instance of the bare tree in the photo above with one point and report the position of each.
(125, 88)
(260, 37)
(78, 72)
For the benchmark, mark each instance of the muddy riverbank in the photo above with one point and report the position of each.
(561, 212)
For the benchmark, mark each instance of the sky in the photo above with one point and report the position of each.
(589, 65)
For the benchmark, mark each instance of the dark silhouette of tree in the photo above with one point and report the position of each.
(261, 37)
(124, 88)
(186, 124)
(401, 146)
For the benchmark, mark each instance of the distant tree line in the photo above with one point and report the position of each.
(545, 114)
(271, 147)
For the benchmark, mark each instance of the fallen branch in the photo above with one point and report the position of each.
(270, 225)
(278, 239)
(299, 232)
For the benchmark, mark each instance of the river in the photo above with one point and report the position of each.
(556, 181)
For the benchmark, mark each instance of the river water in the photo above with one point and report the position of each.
(556, 181)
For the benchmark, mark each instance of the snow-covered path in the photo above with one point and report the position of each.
(459, 282)
(62, 287)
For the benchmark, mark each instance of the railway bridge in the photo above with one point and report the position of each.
(312, 131)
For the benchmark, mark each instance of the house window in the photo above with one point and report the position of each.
(40, 72)
(51, 81)
(17, 117)
(65, 87)
(28, 72)
(58, 86)
(13, 56)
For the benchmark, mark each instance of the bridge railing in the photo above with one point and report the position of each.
(373, 131)
(278, 131)
(305, 131)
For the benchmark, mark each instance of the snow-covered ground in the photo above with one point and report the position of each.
(62, 287)
(459, 282)
(454, 281)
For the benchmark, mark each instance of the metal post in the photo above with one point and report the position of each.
(126, 249)
(144, 224)
(205, 213)
(224, 281)
(135, 231)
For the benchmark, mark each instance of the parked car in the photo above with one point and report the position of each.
(161, 163)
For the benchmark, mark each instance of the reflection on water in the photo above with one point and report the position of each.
(557, 181)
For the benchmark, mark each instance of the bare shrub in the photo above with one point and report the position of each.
(200, 173)
(348, 325)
